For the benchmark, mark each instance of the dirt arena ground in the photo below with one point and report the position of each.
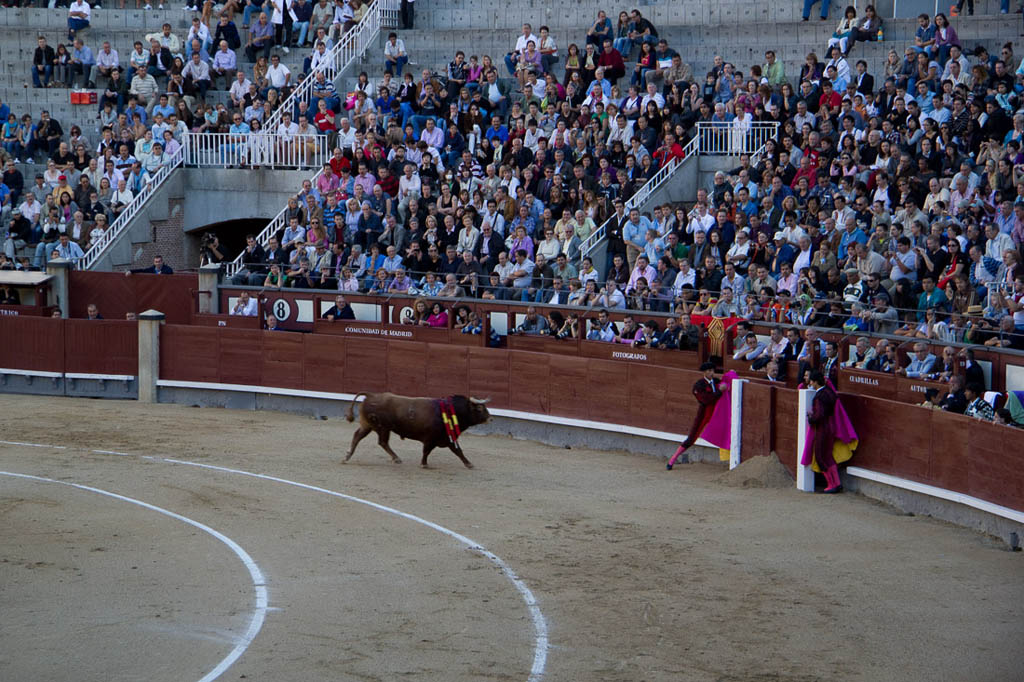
(640, 574)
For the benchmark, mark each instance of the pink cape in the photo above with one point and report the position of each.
(842, 429)
(718, 431)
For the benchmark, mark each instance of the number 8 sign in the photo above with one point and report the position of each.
(282, 310)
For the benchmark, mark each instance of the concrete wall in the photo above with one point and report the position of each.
(216, 195)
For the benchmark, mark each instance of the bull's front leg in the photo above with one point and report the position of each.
(457, 449)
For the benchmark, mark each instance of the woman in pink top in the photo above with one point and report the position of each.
(438, 316)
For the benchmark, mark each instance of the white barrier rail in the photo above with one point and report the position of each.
(656, 181)
(260, 149)
(347, 49)
(711, 138)
(733, 139)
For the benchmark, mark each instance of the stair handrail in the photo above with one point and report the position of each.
(120, 224)
(347, 49)
(648, 188)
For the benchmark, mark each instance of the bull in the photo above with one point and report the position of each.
(414, 418)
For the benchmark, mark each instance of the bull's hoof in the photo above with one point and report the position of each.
(469, 466)
(424, 466)
(396, 460)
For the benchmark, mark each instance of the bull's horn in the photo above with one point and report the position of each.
(478, 401)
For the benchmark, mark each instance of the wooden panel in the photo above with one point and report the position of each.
(530, 381)
(647, 396)
(878, 384)
(756, 432)
(170, 294)
(913, 390)
(408, 372)
(239, 360)
(233, 321)
(112, 292)
(32, 343)
(189, 353)
(365, 365)
(786, 419)
(543, 344)
(625, 353)
(607, 390)
(115, 294)
(950, 450)
(281, 359)
(994, 464)
(489, 375)
(569, 387)
(101, 347)
(447, 369)
(323, 367)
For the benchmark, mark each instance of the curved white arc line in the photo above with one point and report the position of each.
(540, 626)
(258, 581)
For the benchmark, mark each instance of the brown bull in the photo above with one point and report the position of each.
(413, 418)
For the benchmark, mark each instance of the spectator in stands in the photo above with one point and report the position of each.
(79, 14)
(977, 406)
(261, 38)
(245, 306)
(42, 64)
(395, 56)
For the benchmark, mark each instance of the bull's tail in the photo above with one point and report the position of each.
(350, 415)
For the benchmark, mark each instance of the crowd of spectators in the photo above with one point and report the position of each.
(895, 209)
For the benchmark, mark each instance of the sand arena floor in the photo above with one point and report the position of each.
(638, 573)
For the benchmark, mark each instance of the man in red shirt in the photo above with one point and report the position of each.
(668, 151)
(829, 98)
(611, 60)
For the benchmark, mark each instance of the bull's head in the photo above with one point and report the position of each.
(478, 410)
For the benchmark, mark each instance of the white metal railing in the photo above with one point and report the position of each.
(276, 224)
(262, 149)
(120, 224)
(642, 194)
(347, 49)
(733, 138)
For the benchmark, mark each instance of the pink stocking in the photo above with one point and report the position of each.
(680, 450)
(832, 476)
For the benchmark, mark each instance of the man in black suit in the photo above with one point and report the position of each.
(865, 81)
(488, 246)
(341, 310)
(157, 268)
(252, 262)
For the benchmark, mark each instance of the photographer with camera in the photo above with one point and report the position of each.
(210, 250)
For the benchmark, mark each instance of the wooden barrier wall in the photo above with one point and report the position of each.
(76, 346)
(936, 448)
(580, 387)
(941, 449)
(116, 294)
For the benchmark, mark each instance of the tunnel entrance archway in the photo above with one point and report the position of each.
(231, 234)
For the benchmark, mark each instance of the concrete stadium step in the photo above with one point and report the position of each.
(471, 14)
(112, 18)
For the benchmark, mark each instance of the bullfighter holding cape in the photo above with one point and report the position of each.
(830, 435)
(713, 418)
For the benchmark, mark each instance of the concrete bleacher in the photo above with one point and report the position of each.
(434, 46)
(20, 27)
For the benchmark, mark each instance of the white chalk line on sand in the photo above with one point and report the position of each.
(255, 574)
(540, 625)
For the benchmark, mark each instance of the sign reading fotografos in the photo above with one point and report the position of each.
(379, 331)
